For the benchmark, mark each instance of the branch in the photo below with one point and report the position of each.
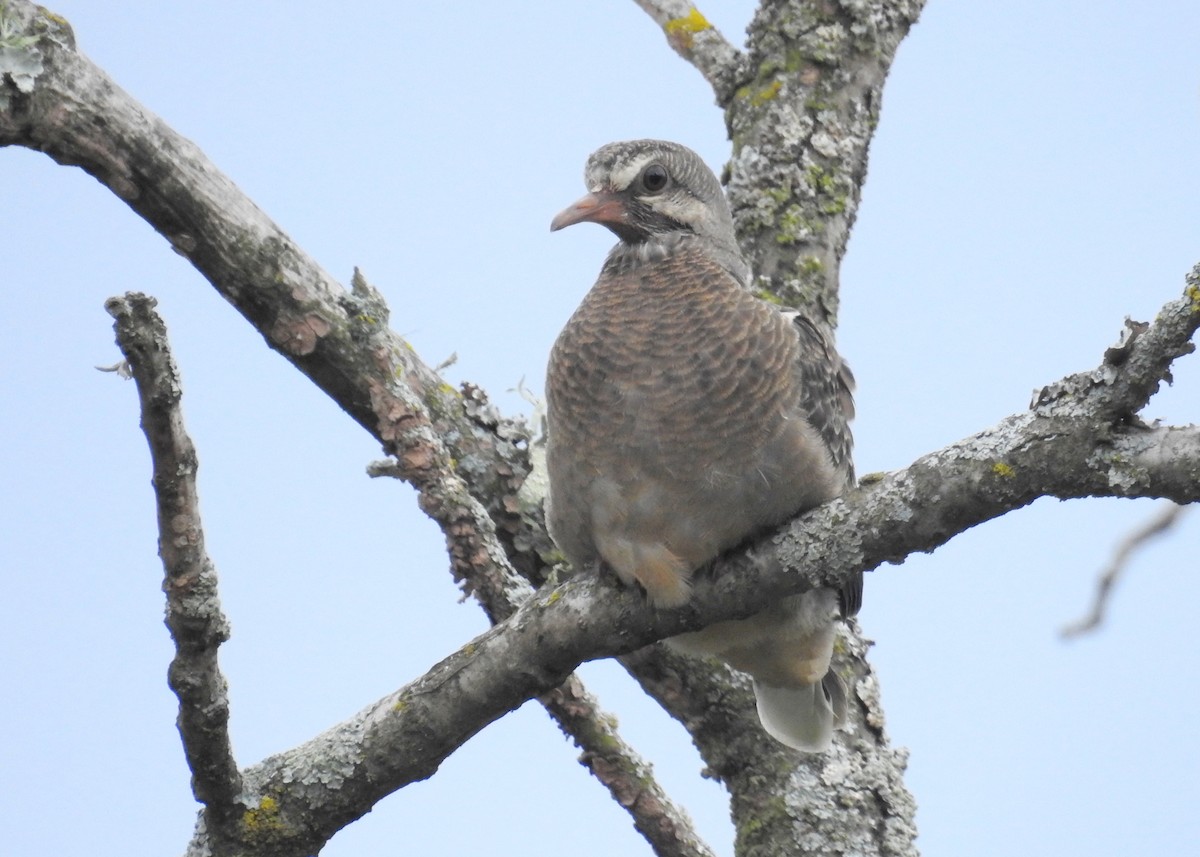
(479, 560)
(691, 36)
(783, 802)
(72, 111)
(327, 782)
(1157, 525)
(801, 129)
(194, 617)
(628, 778)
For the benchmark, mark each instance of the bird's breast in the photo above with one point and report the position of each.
(675, 363)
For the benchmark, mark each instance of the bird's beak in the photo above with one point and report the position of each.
(601, 207)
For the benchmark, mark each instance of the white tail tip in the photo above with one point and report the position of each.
(803, 718)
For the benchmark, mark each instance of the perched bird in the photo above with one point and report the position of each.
(686, 415)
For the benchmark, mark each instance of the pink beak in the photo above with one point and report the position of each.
(603, 208)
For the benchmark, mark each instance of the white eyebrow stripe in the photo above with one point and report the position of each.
(623, 177)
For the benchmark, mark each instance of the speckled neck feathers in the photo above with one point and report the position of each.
(626, 258)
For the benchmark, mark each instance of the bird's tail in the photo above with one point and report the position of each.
(802, 717)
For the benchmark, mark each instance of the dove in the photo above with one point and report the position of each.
(685, 415)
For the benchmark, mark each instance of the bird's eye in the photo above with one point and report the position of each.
(654, 178)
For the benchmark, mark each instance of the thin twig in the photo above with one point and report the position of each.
(194, 617)
(696, 40)
(1162, 521)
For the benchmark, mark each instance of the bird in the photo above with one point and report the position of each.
(686, 415)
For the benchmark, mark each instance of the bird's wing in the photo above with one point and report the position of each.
(827, 387)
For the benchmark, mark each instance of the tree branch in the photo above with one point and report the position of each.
(801, 129)
(480, 562)
(71, 110)
(691, 36)
(1162, 521)
(194, 617)
(628, 778)
(327, 782)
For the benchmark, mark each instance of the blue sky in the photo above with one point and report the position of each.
(1033, 181)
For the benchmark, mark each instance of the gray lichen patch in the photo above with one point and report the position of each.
(20, 58)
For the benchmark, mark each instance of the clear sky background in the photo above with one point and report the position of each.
(1034, 180)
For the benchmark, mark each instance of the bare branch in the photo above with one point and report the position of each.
(329, 781)
(628, 778)
(76, 114)
(194, 617)
(1162, 521)
(691, 36)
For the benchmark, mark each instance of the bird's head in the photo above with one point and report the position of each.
(645, 190)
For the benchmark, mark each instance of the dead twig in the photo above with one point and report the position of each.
(1157, 525)
(194, 617)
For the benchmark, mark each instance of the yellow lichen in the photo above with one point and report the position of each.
(811, 265)
(758, 99)
(769, 297)
(55, 18)
(1193, 294)
(680, 31)
(1003, 470)
(263, 818)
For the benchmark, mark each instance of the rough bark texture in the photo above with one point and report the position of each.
(801, 104)
(194, 616)
(627, 777)
(801, 126)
